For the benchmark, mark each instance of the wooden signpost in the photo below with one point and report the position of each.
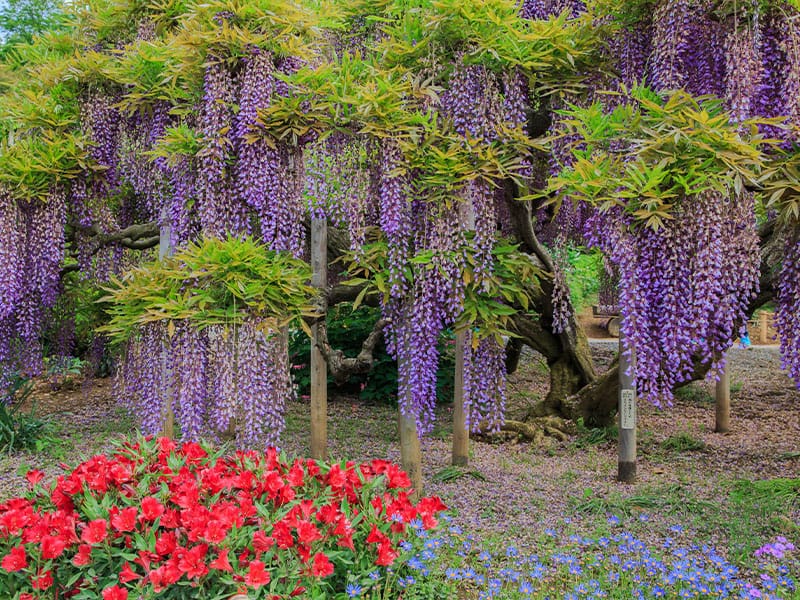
(626, 471)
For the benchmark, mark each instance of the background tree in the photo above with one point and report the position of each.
(21, 20)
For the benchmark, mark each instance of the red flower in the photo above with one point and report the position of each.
(386, 555)
(127, 574)
(256, 574)
(16, 560)
(166, 543)
(43, 582)
(115, 593)
(397, 478)
(261, 542)
(221, 563)
(34, 476)
(376, 536)
(84, 556)
(193, 563)
(321, 567)
(151, 508)
(125, 519)
(215, 532)
(52, 547)
(307, 532)
(96, 531)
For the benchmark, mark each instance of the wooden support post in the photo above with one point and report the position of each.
(410, 453)
(460, 431)
(763, 327)
(626, 471)
(460, 455)
(319, 368)
(165, 249)
(722, 421)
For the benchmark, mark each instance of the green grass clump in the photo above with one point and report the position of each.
(683, 442)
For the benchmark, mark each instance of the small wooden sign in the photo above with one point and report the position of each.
(627, 409)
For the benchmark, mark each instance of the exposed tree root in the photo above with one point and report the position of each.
(534, 430)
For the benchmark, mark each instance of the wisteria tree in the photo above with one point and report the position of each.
(455, 148)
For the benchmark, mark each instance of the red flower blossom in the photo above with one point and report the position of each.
(386, 554)
(166, 543)
(44, 581)
(151, 508)
(15, 560)
(321, 566)
(84, 556)
(52, 547)
(115, 593)
(96, 531)
(307, 532)
(127, 574)
(125, 519)
(193, 563)
(215, 531)
(221, 563)
(257, 575)
(376, 536)
(34, 476)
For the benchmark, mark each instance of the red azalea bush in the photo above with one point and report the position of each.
(157, 520)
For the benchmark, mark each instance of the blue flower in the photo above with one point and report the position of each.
(353, 590)
(526, 587)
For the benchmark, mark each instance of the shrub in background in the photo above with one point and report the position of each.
(347, 329)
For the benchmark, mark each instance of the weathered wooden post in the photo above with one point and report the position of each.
(722, 418)
(460, 432)
(319, 368)
(410, 453)
(626, 469)
(165, 249)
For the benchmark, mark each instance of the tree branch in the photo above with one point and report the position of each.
(341, 367)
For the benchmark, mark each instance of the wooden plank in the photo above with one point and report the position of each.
(319, 368)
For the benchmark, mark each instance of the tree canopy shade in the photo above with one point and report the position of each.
(448, 141)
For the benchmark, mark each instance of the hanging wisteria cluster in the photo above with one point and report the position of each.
(219, 382)
(683, 289)
(31, 252)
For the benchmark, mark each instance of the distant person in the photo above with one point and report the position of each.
(744, 340)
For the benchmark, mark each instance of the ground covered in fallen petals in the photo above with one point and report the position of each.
(735, 491)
